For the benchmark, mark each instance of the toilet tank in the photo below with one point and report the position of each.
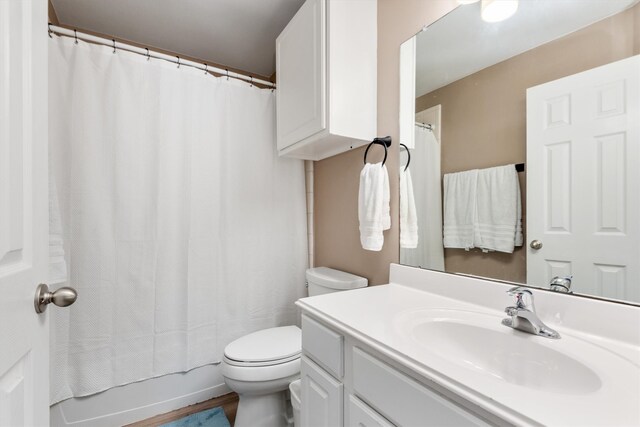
(323, 280)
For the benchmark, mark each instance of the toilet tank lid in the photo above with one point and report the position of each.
(335, 279)
(266, 345)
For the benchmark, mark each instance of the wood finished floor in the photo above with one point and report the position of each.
(229, 403)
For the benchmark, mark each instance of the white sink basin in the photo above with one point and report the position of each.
(508, 357)
(480, 343)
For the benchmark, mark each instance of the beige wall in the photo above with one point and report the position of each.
(337, 241)
(484, 118)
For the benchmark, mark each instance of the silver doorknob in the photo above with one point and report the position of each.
(62, 297)
(536, 244)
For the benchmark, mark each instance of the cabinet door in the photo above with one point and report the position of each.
(321, 402)
(361, 415)
(301, 75)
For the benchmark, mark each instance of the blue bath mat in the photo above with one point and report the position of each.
(210, 418)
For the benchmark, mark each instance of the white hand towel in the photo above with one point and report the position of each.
(370, 206)
(460, 209)
(386, 199)
(57, 263)
(408, 215)
(499, 214)
(519, 239)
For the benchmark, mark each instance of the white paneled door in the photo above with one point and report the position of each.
(24, 335)
(583, 170)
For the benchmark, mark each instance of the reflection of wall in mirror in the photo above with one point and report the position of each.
(483, 116)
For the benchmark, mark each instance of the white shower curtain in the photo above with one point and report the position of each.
(427, 192)
(183, 228)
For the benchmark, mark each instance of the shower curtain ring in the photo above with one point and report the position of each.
(75, 36)
(251, 80)
(227, 73)
(114, 45)
(148, 56)
(178, 61)
(50, 32)
(205, 69)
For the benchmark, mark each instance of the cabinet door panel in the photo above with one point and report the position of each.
(323, 346)
(301, 75)
(361, 415)
(402, 399)
(321, 402)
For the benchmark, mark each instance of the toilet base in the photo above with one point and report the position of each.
(267, 410)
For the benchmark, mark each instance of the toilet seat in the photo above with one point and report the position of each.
(261, 373)
(264, 355)
(261, 363)
(266, 347)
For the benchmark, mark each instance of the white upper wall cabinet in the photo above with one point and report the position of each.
(326, 73)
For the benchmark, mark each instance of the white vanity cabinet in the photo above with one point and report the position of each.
(326, 76)
(346, 383)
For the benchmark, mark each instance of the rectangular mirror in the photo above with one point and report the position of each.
(523, 143)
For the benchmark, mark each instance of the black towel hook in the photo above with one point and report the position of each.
(384, 141)
(408, 156)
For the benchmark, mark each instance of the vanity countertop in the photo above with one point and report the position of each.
(607, 392)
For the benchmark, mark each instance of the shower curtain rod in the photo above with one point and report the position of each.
(65, 32)
(428, 126)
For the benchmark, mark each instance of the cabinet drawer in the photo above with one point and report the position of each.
(323, 345)
(361, 415)
(403, 400)
(321, 397)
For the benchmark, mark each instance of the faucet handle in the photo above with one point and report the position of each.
(524, 298)
(561, 284)
(518, 290)
(511, 310)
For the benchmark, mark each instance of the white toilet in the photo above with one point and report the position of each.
(260, 366)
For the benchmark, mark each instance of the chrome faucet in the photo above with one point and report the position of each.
(561, 284)
(523, 315)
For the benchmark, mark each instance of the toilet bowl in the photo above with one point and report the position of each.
(260, 366)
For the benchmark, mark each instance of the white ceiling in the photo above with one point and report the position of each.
(461, 43)
(237, 33)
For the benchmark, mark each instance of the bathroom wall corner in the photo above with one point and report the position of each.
(308, 175)
(53, 16)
